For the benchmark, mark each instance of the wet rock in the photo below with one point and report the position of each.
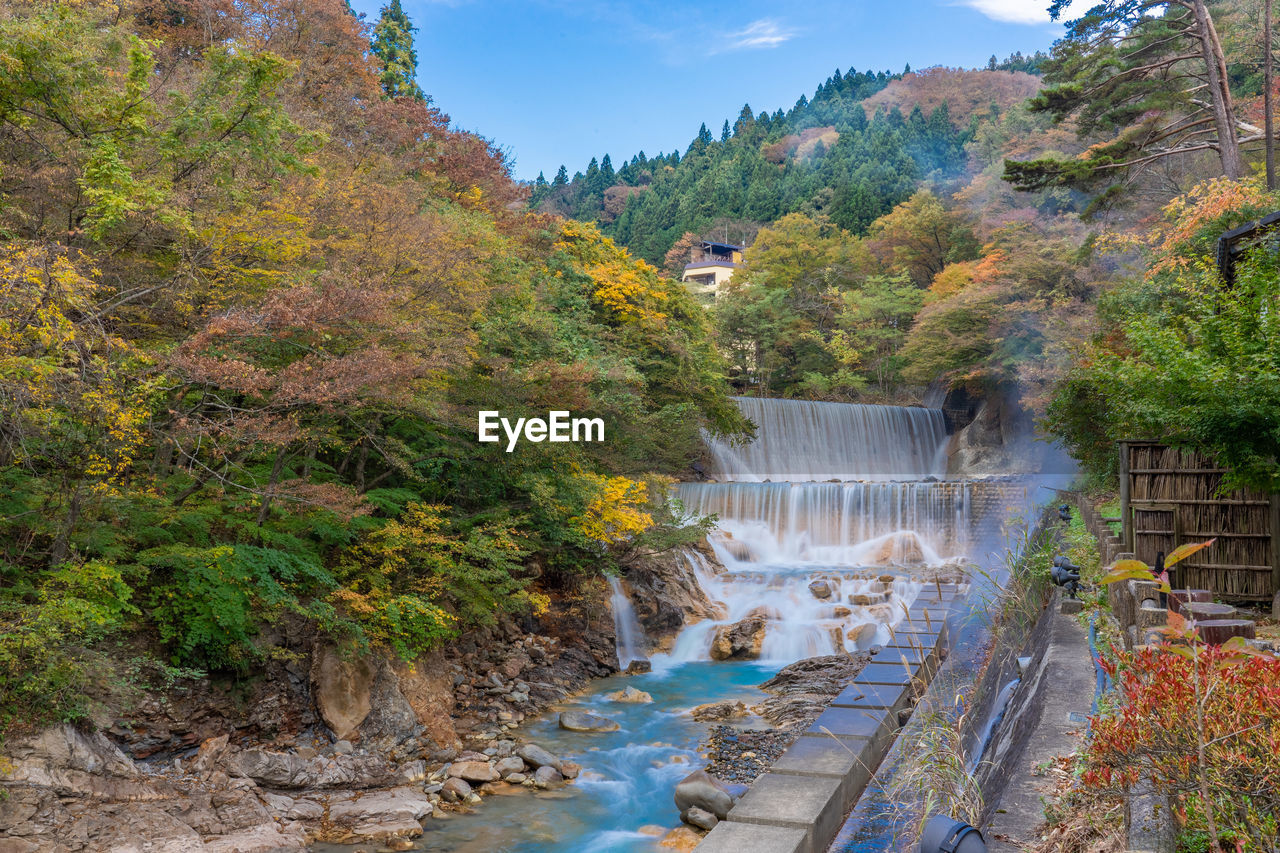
(629, 694)
(742, 640)
(506, 766)
(570, 769)
(545, 777)
(702, 790)
(820, 589)
(581, 721)
(535, 756)
(474, 771)
(682, 838)
(454, 789)
(641, 665)
(719, 711)
(700, 818)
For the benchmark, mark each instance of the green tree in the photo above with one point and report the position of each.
(1149, 77)
(393, 45)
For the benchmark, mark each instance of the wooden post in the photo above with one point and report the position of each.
(1275, 544)
(1126, 521)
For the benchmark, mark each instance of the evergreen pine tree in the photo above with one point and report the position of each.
(393, 45)
(562, 177)
(725, 132)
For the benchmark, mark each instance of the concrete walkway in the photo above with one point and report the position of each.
(1055, 699)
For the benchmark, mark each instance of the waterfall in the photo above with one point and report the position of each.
(804, 441)
(628, 635)
(821, 521)
(833, 524)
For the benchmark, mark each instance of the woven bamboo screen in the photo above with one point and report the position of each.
(1169, 497)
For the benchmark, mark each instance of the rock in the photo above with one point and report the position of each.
(395, 804)
(412, 771)
(700, 818)
(305, 752)
(581, 721)
(739, 641)
(515, 778)
(570, 770)
(264, 838)
(76, 763)
(682, 838)
(454, 789)
(638, 666)
(287, 770)
(506, 766)
(860, 600)
(629, 694)
(343, 747)
(820, 589)
(545, 777)
(719, 711)
(341, 689)
(702, 790)
(535, 756)
(474, 771)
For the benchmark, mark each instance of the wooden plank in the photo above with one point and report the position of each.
(1230, 535)
(1156, 501)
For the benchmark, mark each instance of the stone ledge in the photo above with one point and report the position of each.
(850, 760)
(810, 803)
(729, 837)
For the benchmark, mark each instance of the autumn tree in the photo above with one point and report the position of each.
(393, 45)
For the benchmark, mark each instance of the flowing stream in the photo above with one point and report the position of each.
(827, 522)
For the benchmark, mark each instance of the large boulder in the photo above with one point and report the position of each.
(703, 791)
(341, 687)
(73, 762)
(820, 589)
(535, 756)
(581, 721)
(742, 640)
(474, 771)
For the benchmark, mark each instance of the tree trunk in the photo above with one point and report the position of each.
(1224, 118)
(62, 542)
(271, 485)
(1267, 82)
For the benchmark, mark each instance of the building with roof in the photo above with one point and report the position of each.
(711, 264)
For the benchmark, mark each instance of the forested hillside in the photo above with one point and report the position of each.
(858, 147)
(255, 289)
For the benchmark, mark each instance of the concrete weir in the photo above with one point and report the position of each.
(799, 804)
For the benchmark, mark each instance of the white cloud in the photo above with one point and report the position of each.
(764, 33)
(1016, 11)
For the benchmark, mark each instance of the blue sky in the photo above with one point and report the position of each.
(561, 81)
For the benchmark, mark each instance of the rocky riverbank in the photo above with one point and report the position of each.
(323, 744)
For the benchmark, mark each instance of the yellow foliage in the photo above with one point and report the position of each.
(629, 288)
(615, 512)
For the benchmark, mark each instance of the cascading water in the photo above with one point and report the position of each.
(826, 566)
(629, 636)
(816, 567)
(803, 441)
